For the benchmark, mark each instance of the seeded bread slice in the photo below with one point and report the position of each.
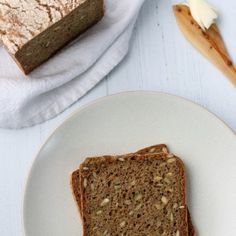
(75, 181)
(163, 148)
(134, 195)
(75, 177)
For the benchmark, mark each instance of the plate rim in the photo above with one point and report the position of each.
(84, 107)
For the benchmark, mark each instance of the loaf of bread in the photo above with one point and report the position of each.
(34, 30)
(134, 195)
(75, 181)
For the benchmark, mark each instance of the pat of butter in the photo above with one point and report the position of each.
(202, 12)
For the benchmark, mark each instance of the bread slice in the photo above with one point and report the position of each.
(134, 195)
(75, 177)
(159, 148)
(163, 148)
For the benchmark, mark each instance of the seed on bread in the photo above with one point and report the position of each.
(117, 187)
(94, 175)
(99, 212)
(133, 183)
(105, 233)
(167, 180)
(164, 200)
(152, 150)
(138, 207)
(122, 224)
(127, 202)
(164, 149)
(85, 183)
(168, 175)
(175, 206)
(158, 206)
(170, 155)
(131, 213)
(157, 178)
(171, 160)
(104, 202)
(116, 181)
(138, 196)
(163, 164)
(117, 184)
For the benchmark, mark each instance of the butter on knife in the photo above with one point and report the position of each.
(196, 21)
(203, 13)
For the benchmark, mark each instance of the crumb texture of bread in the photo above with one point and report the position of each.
(134, 195)
(75, 176)
(33, 30)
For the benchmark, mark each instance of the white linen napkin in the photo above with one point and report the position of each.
(54, 86)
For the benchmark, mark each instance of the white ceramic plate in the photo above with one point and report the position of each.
(124, 123)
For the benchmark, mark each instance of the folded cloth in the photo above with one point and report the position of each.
(71, 73)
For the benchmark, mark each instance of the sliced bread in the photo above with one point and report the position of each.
(134, 195)
(75, 181)
(75, 177)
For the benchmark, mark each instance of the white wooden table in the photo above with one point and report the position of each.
(160, 59)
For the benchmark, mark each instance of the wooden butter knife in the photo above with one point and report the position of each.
(209, 42)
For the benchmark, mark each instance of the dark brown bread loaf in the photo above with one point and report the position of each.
(75, 181)
(32, 31)
(134, 195)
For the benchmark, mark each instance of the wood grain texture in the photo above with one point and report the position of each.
(160, 59)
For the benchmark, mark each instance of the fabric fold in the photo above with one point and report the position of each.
(70, 74)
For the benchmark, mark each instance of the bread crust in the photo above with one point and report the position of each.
(30, 45)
